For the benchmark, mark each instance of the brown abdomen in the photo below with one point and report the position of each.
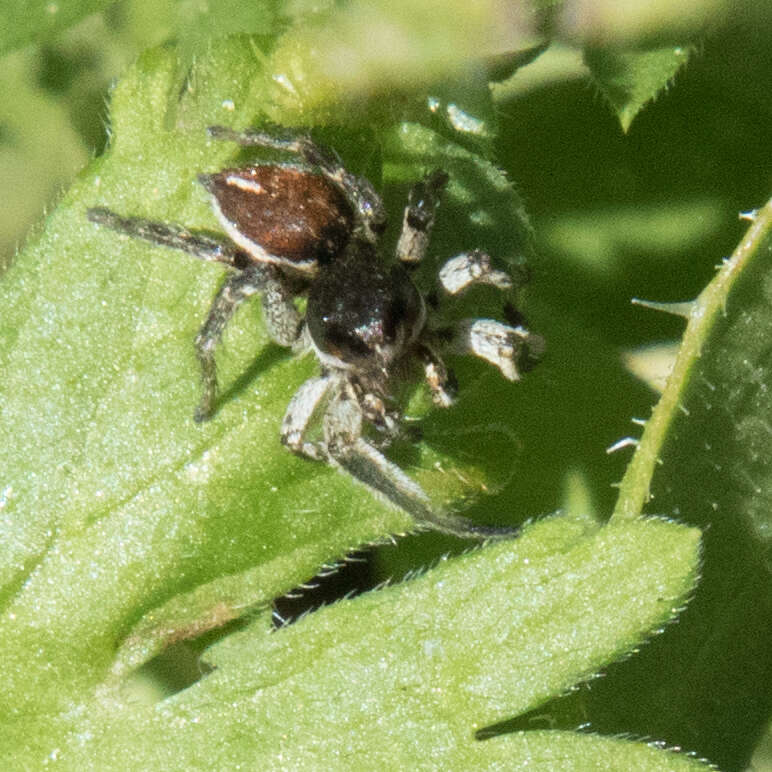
(290, 213)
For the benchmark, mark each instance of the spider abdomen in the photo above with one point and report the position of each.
(282, 214)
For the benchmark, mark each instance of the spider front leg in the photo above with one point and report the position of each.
(299, 414)
(471, 268)
(510, 349)
(281, 318)
(418, 220)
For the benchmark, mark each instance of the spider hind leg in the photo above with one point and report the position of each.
(202, 246)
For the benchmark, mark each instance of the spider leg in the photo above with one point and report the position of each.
(175, 236)
(282, 320)
(299, 414)
(368, 465)
(278, 138)
(348, 450)
(510, 349)
(359, 191)
(471, 268)
(281, 317)
(418, 220)
(441, 380)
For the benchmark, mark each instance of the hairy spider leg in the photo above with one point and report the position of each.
(342, 445)
(417, 224)
(470, 268)
(174, 236)
(298, 416)
(282, 319)
(418, 219)
(505, 347)
(368, 206)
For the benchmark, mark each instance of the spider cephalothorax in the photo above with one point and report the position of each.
(312, 229)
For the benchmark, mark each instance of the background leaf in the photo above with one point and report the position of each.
(24, 22)
(630, 79)
(706, 452)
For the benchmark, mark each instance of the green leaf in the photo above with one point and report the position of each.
(629, 79)
(574, 752)
(412, 671)
(706, 458)
(126, 525)
(119, 512)
(27, 21)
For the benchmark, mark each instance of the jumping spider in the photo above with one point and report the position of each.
(312, 228)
